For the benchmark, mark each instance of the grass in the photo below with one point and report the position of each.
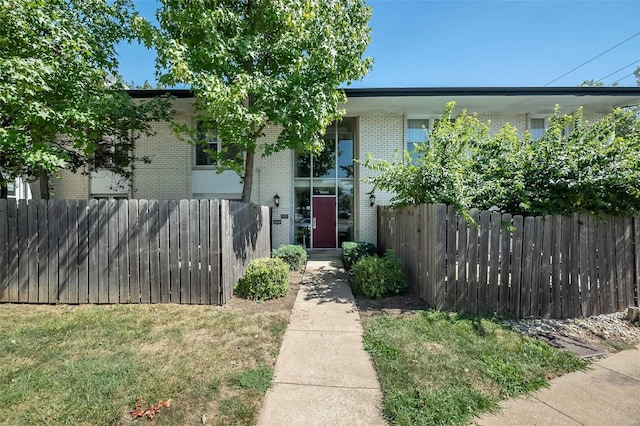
(439, 368)
(86, 365)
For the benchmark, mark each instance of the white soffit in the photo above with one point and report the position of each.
(503, 105)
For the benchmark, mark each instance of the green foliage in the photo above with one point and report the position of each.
(577, 167)
(439, 173)
(258, 63)
(258, 379)
(294, 255)
(440, 368)
(354, 251)
(60, 95)
(264, 279)
(376, 277)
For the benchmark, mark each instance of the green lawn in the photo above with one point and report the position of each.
(439, 368)
(87, 364)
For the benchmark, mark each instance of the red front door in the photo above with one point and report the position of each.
(323, 222)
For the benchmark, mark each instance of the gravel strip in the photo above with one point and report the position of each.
(608, 327)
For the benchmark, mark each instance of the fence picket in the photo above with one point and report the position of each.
(23, 252)
(461, 283)
(185, 290)
(483, 260)
(472, 262)
(32, 219)
(4, 253)
(556, 272)
(43, 251)
(516, 265)
(576, 307)
(565, 267)
(452, 228)
(124, 292)
(494, 270)
(194, 250)
(174, 250)
(83, 251)
(94, 253)
(505, 264)
(164, 272)
(72, 252)
(154, 251)
(528, 242)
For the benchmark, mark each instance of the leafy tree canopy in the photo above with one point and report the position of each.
(577, 167)
(254, 63)
(60, 97)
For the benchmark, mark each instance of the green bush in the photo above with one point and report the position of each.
(352, 252)
(292, 254)
(377, 277)
(264, 279)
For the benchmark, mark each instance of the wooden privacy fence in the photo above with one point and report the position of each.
(552, 266)
(127, 251)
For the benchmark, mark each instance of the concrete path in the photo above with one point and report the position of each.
(606, 394)
(323, 376)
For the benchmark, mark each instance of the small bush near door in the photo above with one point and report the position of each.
(264, 279)
(352, 252)
(294, 255)
(376, 277)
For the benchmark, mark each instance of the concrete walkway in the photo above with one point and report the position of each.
(323, 376)
(606, 394)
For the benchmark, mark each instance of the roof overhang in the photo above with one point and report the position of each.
(489, 100)
(484, 100)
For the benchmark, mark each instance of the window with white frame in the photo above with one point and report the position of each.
(208, 143)
(537, 128)
(417, 133)
(11, 189)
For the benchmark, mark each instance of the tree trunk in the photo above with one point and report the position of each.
(4, 190)
(248, 178)
(43, 178)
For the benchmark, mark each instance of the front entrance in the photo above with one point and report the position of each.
(324, 185)
(323, 222)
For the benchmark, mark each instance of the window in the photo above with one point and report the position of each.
(109, 197)
(11, 189)
(112, 153)
(417, 132)
(208, 143)
(537, 128)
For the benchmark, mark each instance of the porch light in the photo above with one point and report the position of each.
(372, 200)
(276, 200)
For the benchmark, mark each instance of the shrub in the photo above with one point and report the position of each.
(377, 277)
(292, 254)
(352, 252)
(264, 279)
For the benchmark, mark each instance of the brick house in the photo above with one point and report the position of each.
(322, 201)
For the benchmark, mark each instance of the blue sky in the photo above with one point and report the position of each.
(423, 43)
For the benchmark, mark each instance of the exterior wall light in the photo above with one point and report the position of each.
(372, 200)
(276, 200)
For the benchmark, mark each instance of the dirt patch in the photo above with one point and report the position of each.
(274, 305)
(402, 304)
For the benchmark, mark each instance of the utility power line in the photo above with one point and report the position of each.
(592, 59)
(618, 70)
(626, 76)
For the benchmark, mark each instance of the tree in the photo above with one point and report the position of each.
(254, 63)
(62, 105)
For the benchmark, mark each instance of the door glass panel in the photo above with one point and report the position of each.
(324, 187)
(346, 131)
(345, 211)
(303, 165)
(302, 219)
(324, 164)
